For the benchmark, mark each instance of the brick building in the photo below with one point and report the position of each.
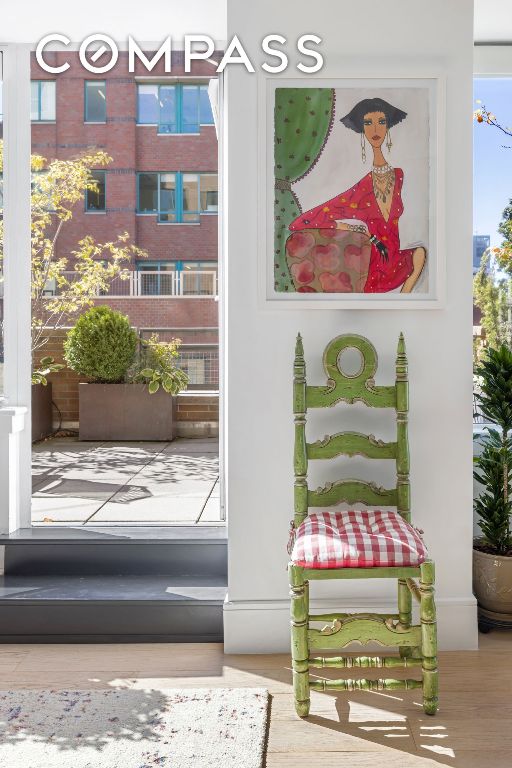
(161, 188)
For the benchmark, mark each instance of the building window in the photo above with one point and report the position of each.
(208, 193)
(177, 197)
(197, 278)
(95, 199)
(42, 101)
(176, 108)
(157, 194)
(95, 101)
(41, 192)
(156, 278)
(176, 278)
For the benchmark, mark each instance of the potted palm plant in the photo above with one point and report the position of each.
(492, 552)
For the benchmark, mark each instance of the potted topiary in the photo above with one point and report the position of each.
(116, 404)
(492, 553)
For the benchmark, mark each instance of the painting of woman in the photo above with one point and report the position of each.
(373, 206)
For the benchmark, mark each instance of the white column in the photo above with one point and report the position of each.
(12, 423)
(15, 432)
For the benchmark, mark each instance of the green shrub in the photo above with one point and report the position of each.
(101, 346)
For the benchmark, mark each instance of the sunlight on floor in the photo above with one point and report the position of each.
(82, 483)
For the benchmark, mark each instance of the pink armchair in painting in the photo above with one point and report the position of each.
(328, 260)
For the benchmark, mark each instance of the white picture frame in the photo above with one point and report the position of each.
(430, 88)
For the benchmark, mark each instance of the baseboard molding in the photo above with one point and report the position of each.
(263, 626)
(109, 639)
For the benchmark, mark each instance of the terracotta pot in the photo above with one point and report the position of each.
(125, 412)
(42, 412)
(492, 581)
(328, 261)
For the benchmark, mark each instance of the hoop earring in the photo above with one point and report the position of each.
(389, 143)
(363, 148)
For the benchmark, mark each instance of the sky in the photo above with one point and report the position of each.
(492, 169)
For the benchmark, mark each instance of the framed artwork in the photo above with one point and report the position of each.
(353, 199)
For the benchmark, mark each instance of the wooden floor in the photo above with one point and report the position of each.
(473, 728)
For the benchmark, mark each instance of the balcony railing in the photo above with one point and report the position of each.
(153, 283)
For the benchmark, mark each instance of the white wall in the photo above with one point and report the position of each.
(399, 36)
(118, 18)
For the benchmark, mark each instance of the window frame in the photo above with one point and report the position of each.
(178, 268)
(155, 266)
(94, 122)
(179, 210)
(39, 119)
(178, 106)
(97, 210)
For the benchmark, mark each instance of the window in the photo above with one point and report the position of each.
(176, 108)
(41, 197)
(156, 278)
(157, 194)
(177, 197)
(95, 101)
(42, 101)
(95, 198)
(198, 278)
(208, 193)
(176, 278)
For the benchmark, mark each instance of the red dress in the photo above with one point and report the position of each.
(359, 203)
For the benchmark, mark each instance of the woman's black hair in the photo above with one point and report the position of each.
(354, 119)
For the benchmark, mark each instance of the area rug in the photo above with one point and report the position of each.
(129, 728)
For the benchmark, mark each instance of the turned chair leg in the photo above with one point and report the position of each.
(299, 593)
(404, 612)
(428, 638)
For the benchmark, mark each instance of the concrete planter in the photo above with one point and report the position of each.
(42, 414)
(125, 412)
(492, 582)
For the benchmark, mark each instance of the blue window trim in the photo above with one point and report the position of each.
(178, 211)
(97, 210)
(38, 119)
(97, 82)
(179, 264)
(179, 108)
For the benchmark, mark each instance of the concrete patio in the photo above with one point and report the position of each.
(110, 484)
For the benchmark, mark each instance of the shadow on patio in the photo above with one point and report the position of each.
(125, 483)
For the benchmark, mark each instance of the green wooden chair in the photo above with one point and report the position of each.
(365, 544)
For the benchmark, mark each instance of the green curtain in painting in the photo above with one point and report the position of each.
(302, 122)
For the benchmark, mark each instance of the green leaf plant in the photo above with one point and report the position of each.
(46, 366)
(156, 366)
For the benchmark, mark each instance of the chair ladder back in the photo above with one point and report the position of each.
(402, 415)
(346, 388)
(300, 459)
(343, 387)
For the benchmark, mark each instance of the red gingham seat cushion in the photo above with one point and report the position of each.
(357, 539)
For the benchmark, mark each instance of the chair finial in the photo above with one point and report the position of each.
(299, 349)
(299, 365)
(401, 359)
